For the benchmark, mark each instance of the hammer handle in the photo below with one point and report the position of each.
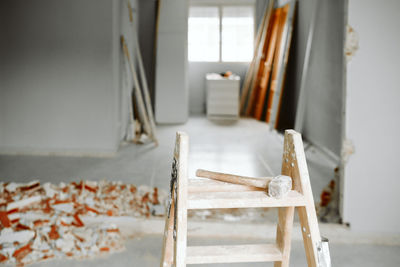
(235, 179)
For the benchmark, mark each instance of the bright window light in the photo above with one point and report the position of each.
(221, 33)
(203, 34)
(237, 33)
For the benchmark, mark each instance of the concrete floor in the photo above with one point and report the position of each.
(246, 147)
(146, 252)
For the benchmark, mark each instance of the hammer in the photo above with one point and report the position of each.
(277, 187)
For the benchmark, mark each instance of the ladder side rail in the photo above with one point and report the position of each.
(301, 181)
(182, 148)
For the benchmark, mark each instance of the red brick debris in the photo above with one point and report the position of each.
(40, 222)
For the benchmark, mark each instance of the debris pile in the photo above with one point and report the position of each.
(39, 222)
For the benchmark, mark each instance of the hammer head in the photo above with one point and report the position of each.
(279, 186)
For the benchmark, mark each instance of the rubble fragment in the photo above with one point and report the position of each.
(7, 235)
(3, 258)
(4, 220)
(14, 206)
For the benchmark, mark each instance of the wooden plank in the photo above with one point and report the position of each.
(182, 148)
(146, 93)
(138, 94)
(277, 60)
(294, 154)
(276, 105)
(259, 65)
(157, 25)
(267, 65)
(207, 185)
(249, 73)
(233, 253)
(258, 74)
(252, 199)
(253, 68)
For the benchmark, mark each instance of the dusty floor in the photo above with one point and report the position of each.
(146, 251)
(246, 147)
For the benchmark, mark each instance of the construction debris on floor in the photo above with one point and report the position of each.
(40, 222)
(45, 221)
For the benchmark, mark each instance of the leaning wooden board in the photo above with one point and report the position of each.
(257, 78)
(277, 96)
(138, 93)
(258, 63)
(277, 60)
(268, 65)
(251, 72)
(146, 93)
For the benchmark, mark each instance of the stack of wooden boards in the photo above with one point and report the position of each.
(264, 82)
(141, 117)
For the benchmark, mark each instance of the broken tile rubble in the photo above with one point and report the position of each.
(40, 222)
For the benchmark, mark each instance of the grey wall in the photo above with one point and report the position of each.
(1, 109)
(60, 81)
(324, 85)
(172, 97)
(147, 23)
(371, 198)
(323, 116)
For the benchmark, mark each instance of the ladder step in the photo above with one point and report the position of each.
(255, 199)
(235, 253)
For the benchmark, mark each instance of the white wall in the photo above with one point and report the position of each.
(60, 81)
(172, 93)
(371, 195)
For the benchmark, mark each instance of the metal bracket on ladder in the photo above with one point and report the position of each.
(324, 257)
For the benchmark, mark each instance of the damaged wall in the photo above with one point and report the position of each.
(371, 197)
(60, 81)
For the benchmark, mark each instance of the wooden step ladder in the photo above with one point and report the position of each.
(186, 194)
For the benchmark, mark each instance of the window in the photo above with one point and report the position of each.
(221, 33)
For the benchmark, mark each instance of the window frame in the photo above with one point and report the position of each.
(220, 4)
